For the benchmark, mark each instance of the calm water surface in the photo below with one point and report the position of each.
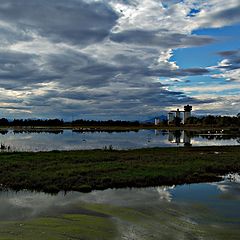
(195, 211)
(71, 140)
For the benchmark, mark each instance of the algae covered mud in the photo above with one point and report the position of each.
(195, 211)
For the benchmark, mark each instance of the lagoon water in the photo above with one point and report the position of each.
(74, 140)
(195, 211)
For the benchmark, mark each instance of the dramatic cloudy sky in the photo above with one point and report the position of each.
(128, 59)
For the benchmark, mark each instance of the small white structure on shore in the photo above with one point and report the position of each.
(157, 121)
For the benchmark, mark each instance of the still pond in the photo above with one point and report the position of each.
(13, 140)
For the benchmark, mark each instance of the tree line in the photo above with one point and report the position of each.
(221, 121)
(60, 122)
(31, 122)
(210, 120)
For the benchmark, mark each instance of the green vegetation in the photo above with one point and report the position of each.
(100, 169)
(66, 226)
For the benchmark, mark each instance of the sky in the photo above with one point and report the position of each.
(118, 59)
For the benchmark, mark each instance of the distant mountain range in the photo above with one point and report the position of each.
(152, 120)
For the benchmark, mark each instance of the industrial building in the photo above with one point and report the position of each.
(177, 114)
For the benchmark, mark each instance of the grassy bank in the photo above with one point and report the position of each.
(99, 169)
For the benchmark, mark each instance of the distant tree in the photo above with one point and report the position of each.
(3, 122)
(164, 122)
(193, 120)
(209, 120)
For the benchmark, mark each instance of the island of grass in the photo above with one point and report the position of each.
(87, 170)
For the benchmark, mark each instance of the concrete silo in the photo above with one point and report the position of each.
(170, 117)
(178, 113)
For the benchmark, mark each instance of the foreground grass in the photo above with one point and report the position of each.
(98, 169)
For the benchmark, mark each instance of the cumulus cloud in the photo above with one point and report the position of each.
(79, 22)
(218, 13)
(162, 38)
(230, 75)
(229, 67)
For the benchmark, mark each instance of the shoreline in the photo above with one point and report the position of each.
(121, 128)
(87, 170)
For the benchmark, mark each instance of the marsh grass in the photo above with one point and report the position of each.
(100, 169)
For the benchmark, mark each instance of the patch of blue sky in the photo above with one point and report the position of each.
(227, 38)
(193, 12)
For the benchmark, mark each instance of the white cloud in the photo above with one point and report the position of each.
(230, 75)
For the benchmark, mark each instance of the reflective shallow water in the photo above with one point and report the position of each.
(195, 211)
(71, 140)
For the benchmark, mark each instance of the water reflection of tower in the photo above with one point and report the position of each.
(175, 137)
(170, 136)
(186, 139)
(178, 137)
(157, 132)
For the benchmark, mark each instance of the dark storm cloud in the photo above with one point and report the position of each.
(161, 37)
(232, 59)
(10, 36)
(15, 108)
(14, 57)
(228, 14)
(170, 73)
(229, 67)
(80, 22)
(228, 53)
(18, 70)
(72, 69)
(194, 71)
(218, 14)
(83, 70)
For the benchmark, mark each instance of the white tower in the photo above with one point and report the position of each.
(187, 113)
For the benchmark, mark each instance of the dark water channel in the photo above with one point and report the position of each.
(12, 140)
